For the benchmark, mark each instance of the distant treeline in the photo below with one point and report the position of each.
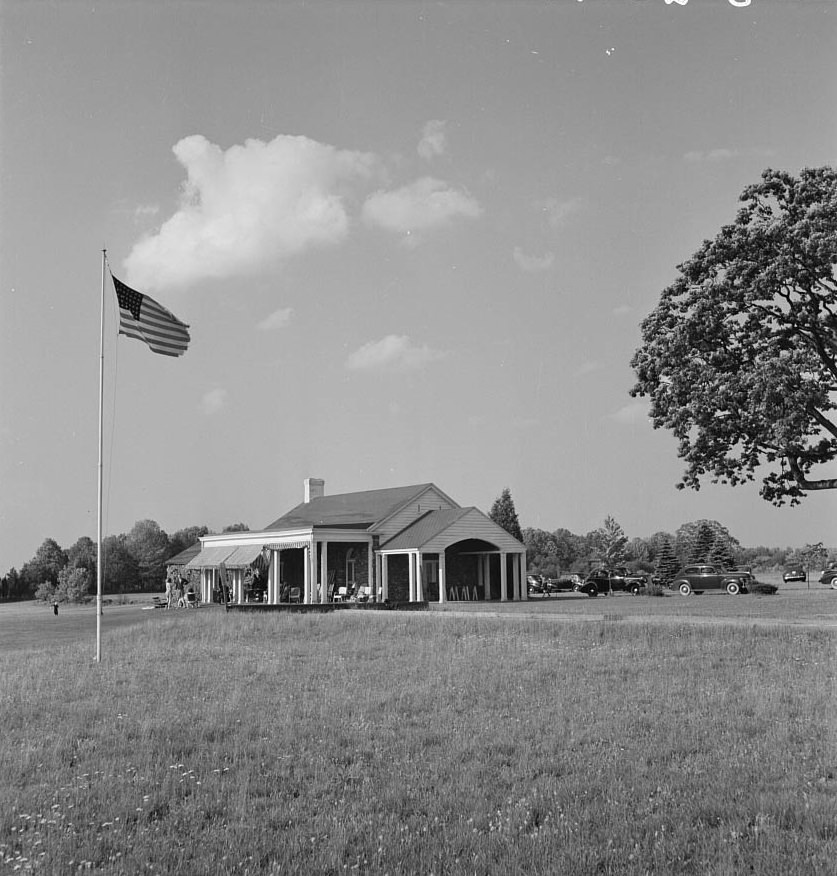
(562, 552)
(136, 561)
(133, 562)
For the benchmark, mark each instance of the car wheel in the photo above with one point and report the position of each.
(733, 588)
(685, 588)
(592, 591)
(635, 589)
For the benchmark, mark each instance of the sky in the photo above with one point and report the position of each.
(413, 241)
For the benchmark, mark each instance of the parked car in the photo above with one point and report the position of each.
(536, 584)
(795, 575)
(562, 583)
(607, 580)
(696, 579)
(829, 577)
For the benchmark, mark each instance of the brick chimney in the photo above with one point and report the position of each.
(314, 488)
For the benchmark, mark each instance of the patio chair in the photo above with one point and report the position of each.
(294, 595)
(341, 595)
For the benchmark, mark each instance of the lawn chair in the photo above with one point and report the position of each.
(191, 599)
(294, 595)
(342, 594)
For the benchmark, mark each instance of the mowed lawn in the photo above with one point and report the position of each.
(421, 743)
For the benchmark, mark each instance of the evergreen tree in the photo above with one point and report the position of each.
(667, 563)
(702, 544)
(503, 514)
(721, 554)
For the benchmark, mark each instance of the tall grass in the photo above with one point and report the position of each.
(354, 742)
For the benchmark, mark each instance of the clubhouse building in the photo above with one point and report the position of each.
(396, 545)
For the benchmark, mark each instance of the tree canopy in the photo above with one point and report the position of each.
(739, 358)
(503, 514)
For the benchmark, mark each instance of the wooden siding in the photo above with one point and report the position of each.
(475, 524)
(431, 499)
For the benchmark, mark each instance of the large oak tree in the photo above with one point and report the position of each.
(738, 357)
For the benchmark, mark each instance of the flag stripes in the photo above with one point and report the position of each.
(143, 318)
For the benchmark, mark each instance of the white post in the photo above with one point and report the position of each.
(411, 571)
(504, 596)
(370, 568)
(306, 573)
(524, 590)
(385, 576)
(419, 578)
(99, 570)
(443, 591)
(324, 573)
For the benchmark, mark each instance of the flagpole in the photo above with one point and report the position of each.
(99, 506)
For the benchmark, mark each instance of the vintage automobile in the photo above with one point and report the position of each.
(795, 575)
(697, 578)
(829, 577)
(536, 584)
(562, 583)
(612, 580)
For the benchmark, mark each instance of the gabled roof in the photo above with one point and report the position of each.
(350, 510)
(428, 526)
(184, 556)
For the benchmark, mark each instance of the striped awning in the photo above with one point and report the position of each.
(287, 546)
(243, 556)
(210, 557)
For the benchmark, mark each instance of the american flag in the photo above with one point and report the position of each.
(141, 317)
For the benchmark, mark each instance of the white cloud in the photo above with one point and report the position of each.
(717, 155)
(213, 401)
(533, 264)
(558, 212)
(421, 205)
(276, 320)
(143, 211)
(248, 206)
(392, 353)
(631, 413)
(588, 367)
(433, 140)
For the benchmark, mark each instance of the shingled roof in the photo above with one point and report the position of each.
(425, 528)
(349, 510)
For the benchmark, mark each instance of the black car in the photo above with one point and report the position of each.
(795, 575)
(612, 580)
(829, 577)
(697, 578)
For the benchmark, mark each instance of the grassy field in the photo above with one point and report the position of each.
(423, 743)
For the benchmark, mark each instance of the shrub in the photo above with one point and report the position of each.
(765, 589)
(653, 590)
(45, 592)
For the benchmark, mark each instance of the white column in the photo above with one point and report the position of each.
(411, 571)
(419, 578)
(443, 591)
(385, 576)
(324, 573)
(306, 573)
(516, 578)
(521, 571)
(370, 570)
(504, 596)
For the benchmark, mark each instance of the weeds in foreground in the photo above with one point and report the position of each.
(422, 744)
